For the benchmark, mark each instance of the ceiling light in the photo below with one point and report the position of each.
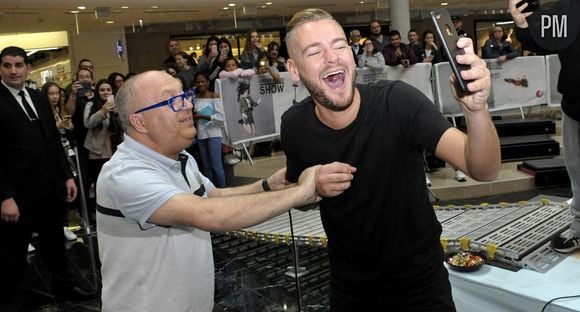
(362, 2)
(81, 7)
(110, 22)
(263, 7)
(232, 4)
(268, 3)
(155, 7)
(125, 7)
(444, 3)
(75, 12)
(504, 23)
(225, 8)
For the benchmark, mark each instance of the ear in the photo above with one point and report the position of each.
(138, 123)
(293, 70)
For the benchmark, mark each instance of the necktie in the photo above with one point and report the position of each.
(27, 108)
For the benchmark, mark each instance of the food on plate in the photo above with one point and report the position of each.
(465, 259)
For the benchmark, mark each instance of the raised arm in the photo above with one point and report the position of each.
(478, 152)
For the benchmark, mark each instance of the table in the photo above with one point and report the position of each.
(495, 289)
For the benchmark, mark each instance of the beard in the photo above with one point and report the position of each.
(320, 97)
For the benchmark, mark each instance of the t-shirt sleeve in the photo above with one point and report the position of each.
(422, 123)
(139, 193)
(289, 144)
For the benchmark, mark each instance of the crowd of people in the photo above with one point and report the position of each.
(134, 133)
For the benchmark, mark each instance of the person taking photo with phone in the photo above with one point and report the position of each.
(568, 50)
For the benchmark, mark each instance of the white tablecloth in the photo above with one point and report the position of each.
(495, 289)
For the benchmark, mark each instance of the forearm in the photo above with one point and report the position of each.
(71, 104)
(231, 212)
(482, 152)
(252, 188)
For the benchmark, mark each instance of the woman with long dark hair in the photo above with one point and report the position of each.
(253, 52)
(101, 121)
(432, 54)
(209, 56)
(497, 47)
(54, 96)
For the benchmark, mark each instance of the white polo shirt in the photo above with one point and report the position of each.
(146, 267)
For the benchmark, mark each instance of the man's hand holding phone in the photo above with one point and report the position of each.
(519, 11)
(479, 77)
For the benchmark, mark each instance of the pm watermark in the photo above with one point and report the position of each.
(557, 26)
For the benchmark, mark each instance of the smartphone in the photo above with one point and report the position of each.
(213, 49)
(111, 98)
(533, 5)
(224, 52)
(448, 36)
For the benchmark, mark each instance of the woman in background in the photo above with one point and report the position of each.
(253, 52)
(54, 95)
(371, 58)
(116, 80)
(432, 54)
(274, 58)
(185, 72)
(209, 116)
(496, 47)
(98, 118)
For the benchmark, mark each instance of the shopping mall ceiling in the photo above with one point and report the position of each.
(51, 15)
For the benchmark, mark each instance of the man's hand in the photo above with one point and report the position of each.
(334, 178)
(307, 182)
(517, 15)
(75, 87)
(71, 190)
(480, 87)
(9, 210)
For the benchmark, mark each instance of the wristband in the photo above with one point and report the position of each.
(265, 185)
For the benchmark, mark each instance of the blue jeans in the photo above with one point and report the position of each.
(210, 151)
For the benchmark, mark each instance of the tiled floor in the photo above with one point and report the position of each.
(251, 275)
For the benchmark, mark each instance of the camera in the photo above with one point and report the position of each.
(86, 87)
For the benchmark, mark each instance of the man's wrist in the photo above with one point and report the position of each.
(265, 185)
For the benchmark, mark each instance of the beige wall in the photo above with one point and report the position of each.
(100, 48)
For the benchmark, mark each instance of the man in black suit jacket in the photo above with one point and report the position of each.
(35, 180)
(355, 45)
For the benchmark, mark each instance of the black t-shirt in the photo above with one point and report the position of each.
(383, 229)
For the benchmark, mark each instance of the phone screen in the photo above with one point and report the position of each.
(448, 36)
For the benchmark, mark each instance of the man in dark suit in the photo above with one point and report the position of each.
(355, 45)
(35, 180)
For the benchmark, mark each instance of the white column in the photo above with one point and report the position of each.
(401, 18)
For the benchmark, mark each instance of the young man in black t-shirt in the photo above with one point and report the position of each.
(383, 236)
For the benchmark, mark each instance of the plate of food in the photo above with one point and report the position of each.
(465, 261)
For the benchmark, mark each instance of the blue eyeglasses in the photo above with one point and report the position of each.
(173, 102)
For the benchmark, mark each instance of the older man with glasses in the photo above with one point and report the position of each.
(155, 208)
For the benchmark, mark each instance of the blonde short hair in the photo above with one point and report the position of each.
(305, 16)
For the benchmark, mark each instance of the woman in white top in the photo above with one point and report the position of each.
(209, 116)
(371, 58)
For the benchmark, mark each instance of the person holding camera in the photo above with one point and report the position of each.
(81, 92)
(99, 119)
